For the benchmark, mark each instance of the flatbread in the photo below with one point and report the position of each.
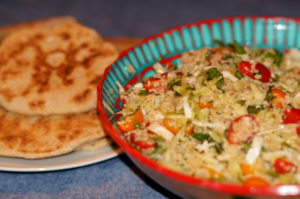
(54, 70)
(34, 137)
(95, 144)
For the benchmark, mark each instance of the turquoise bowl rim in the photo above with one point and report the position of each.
(276, 32)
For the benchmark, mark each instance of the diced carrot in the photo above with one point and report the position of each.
(255, 181)
(279, 95)
(128, 123)
(171, 124)
(246, 169)
(277, 103)
(202, 106)
(213, 173)
(189, 129)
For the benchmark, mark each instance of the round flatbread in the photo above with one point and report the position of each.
(54, 70)
(33, 137)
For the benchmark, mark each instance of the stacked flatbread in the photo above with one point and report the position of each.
(48, 78)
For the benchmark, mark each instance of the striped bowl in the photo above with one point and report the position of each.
(135, 64)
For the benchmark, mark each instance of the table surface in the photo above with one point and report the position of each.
(117, 177)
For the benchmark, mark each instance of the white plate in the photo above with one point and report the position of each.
(71, 160)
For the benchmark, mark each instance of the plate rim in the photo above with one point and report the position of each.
(109, 153)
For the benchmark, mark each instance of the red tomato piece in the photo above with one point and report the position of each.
(142, 144)
(292, 116)
(156, 85)
(245, 68)
(265, 72)
(283, 166)
(242, 129)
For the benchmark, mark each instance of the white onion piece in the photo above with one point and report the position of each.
(229, 76)
(188, 112)
(159, 68)
(254, 151)
(161, 131)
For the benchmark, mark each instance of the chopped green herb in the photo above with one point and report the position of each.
(236, 60)
(276, 78)
(237, 48)
(228, 56)
(253, 109)
(269, 96)
(276, 56)
(173, 82)
(220, 83)
(143, 92)
(208, 55)
(272, 173)
(238, 74)
(159, 148)
(219, 42)
(263, 149)
(189, 74)
(219, 147)
(137, 125)
(246, 145)
(202, 137)
(242, 102)
(212, 73)
(285, 144)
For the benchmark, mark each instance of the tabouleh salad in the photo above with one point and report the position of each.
(228, 113)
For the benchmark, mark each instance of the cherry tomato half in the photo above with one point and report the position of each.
(156, 85)
(245, 68)
(292, 116)
(283, 166)
(141, 143)
(242, 129)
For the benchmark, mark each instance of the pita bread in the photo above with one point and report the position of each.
(42, 135)
(46, 136)
(95, 144)
(54, 70)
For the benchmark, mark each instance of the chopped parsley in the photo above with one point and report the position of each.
(212, 73)
(269, 96)
(220, 83)
(254, 109)
(173, 82)
(219, 147)
(143, 92)
(242, 102)
(277, 57)
(219, 43)
(238, 74)
(202, 137)
(237, 47)
(208, 55)
(137, 125)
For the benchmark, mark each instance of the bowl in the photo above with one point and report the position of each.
(136, 63)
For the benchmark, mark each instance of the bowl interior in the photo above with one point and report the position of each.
(136, 63)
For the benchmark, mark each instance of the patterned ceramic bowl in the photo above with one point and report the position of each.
(135, 64)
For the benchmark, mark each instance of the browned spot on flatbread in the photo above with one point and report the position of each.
(96, 80)
(7, 94)
(37, 104)
(65, 35)
(82, 96)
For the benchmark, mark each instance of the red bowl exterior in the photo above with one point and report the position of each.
(181, 184)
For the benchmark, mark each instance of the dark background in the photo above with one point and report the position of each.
(141, 17)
